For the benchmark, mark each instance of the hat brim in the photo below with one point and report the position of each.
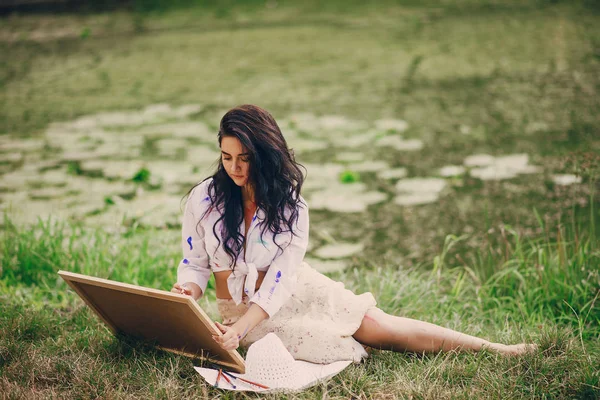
(308, 375)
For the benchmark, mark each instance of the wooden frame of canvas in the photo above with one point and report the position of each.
(173, 321)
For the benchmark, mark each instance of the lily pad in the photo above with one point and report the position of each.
(396, 173)
(54, 177)
(109, 120)
(98, 189)
(305, 122)
(160, 109)
(488, 167)
(10, 145)
(493, 173)
(301, 145)
(326, 266)
(566, 179)
(345, 198)
(357, 140)
(420, 185)
(152, 113)
(115, 150)
(479, 160)
(171, 147)
(414, 199)
(18, 178)
(186, 110)
(339, 250)
(452, 170)
(417, 191)
(149, 208)
(320, 176)
(174, 172)
(202, 155)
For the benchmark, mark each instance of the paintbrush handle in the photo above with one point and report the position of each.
(246, 380)
(227, 379)
(218, 378)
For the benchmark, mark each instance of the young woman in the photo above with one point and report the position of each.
(248, 224)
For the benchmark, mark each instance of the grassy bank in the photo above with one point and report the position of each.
(545, 291)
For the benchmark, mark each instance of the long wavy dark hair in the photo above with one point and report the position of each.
(273, 173)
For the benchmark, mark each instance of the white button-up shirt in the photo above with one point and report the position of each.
(202, 253)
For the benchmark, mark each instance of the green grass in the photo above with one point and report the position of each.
(546, 291)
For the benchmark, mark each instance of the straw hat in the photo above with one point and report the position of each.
(269, 363)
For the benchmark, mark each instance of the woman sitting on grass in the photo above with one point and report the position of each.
(248, 224)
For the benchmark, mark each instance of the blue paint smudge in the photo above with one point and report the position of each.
(185, 261)
(206, 198)
(243, 334)
(189, 240)
(254, 218)
(277, 276)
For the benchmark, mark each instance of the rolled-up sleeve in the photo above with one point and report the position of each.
(194, 267)
(280, 280)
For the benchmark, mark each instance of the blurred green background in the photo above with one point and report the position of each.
(466, 78)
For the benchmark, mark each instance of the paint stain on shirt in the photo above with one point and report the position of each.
(189, 240)
(272, 290)
(185, 261)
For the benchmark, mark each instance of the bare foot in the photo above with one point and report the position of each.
(514, 349)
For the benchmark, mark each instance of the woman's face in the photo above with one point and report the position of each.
(235, 160)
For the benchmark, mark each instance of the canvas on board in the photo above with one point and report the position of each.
(172, 321)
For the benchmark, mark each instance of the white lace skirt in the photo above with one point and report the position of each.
(316, 324)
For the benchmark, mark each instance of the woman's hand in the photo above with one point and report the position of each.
(230, 339)
(236, 332)
(189, 288)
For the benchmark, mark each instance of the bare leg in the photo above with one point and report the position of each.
(384, 331)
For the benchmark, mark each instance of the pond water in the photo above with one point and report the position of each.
(113, 169)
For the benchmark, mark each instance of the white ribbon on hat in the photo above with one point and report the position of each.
(242, 280)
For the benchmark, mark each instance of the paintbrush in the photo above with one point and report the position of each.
(218, 378)
(245, 380)
(224, 375)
